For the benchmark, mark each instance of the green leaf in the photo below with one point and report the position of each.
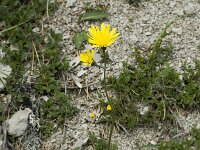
(84, 35)
(94, 16)
(79, 38)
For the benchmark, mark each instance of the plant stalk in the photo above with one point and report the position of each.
(105, 86)
(110, 134)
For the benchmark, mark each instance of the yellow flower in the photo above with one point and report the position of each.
(87, 57)
(102, 37)
(92, 115)
(108, 108)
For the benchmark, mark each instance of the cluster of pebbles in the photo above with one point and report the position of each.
(138, 27)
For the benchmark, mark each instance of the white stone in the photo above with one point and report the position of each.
(189, 9)
(133, 39)
(13, 48)
(64, 146)
(1, 53)
(36, 30)
(84, 126)
(74, 62)
(144, 110)
(177, 30)
(45, 98)
(64, 18)
(167, 2)
(172, 4)
(71, 3)
(146, 18)
(18, 123)
(102, 77)
(179, 12)
(81, 142)
(97, 57)
(153, 142)
(1, 143)
(52, 1)
(5, 71)
(53, 140)
(57, 31)
(148, 33)
(77, 81)
(81, 72)
(88, 46)
(198, 125)
(181, 77)
(66, 37)
(6, 99)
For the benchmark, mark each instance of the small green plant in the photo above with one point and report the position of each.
(188, 144)
(144, 82)
(26, 51)
(19, 18)
(54, 111)
(51, 67)
(152, 82)
(99, 143)
(48, 82)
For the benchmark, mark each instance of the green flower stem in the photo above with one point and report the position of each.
(111, 132)
(105, 86)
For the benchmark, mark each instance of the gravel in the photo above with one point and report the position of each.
(138, 27)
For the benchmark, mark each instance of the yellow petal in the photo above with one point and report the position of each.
(92, 115)
(87, 57)
(102, 37)
(95, 46)
(109, 108)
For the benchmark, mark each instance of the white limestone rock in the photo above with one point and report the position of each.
(178, 31)
(80, 143)
(18, 123)
(71, 3)
(5, 71)
(133, 39)
(179, 12)
(189, 9)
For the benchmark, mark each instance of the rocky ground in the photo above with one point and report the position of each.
(138, 26)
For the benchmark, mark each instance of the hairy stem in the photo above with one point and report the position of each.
(105, 86)
(110, 134)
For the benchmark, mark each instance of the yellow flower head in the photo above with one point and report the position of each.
(87, 57)
(92, 115)
(108, 108)
(102, 37)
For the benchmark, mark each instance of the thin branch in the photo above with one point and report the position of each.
(47, 9)
(64, 126)
(36, 54)
(13, 27)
